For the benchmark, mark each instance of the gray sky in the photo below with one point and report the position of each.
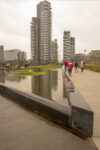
(81, 17)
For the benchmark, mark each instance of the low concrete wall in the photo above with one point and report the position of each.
(47, 108)
(82, 115)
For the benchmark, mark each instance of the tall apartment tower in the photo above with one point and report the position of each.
(68, 46)
(54, 51)
(1, 54)
(34, 40)
(44, 31)
(72, 47)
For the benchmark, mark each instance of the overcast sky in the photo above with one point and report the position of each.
(81, 17)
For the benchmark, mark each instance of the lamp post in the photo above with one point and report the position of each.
(85, 54)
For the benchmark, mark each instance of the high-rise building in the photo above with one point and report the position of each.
(34, 40)
(22, 56)
(14, 55)
(11, 55)
(1, 54)
(72, 47)
(41, 33)
(68, 46)
(54, 51)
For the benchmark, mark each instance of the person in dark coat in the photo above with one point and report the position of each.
(76, 67)
(65, 66)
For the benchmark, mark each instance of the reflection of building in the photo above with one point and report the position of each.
(42, 85)
(64, 90)
(41, 33)
(13, 55)
(54, 51)
(68, 46)
(15, 78)
(2, 76)
(1, 54)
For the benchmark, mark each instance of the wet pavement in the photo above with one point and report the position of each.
(21, 129)
(88, 84)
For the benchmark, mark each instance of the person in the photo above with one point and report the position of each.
(82, 66)
(76, 67)
(70, 66)
(27, 66)
(65, 66)
(8, 66)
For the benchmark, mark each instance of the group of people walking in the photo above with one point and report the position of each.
(69, 66)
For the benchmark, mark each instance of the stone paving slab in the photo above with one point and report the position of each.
(21, 129)
(88, 84)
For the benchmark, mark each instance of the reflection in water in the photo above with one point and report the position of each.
(64, 90)
(42, 85)
(49, 85)
(2, 76)
(6, 75)
(15, 78)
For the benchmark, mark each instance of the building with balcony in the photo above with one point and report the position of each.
(14, 55)
(68, 46)
(54, 51)
(34, 40)
(41, 34)
(22, 57)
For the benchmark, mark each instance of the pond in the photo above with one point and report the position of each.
(50, 85)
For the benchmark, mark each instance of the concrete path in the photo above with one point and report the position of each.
(88, 83)
(21, 129)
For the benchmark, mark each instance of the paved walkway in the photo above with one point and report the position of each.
(21, 129)
(88, 83)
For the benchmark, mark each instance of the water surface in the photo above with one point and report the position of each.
(49, 85)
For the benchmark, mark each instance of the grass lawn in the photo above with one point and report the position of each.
(93, 67)
(27, 73)
(44, 67)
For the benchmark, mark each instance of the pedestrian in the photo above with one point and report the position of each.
(70, 66)
(65, 66)
(76, 67)
(82, 66)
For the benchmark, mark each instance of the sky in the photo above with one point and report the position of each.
(80, 17)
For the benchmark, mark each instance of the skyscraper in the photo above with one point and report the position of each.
(72, 47)
(41, 33)
(54, 51)
(34, 40)
(68, 46)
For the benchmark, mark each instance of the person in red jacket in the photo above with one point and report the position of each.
(70, 66)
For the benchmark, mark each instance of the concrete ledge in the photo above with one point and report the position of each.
(82, 115)
(47, 108)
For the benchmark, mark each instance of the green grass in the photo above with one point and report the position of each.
(2, 75)
(45, 67)
(27, 73)
(93, 67)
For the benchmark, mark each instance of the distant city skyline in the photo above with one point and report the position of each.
(82, 18)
